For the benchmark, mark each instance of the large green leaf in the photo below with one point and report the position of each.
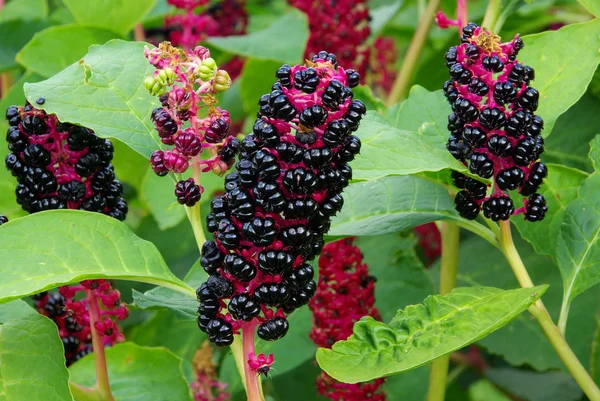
(536, 386)
(420, 333)
(71, 42)
(53, 248)
(564, 66)
(393, 204)
(387, 150)
(483, 390)
(137, 373)
(578, 246)
(257, 78)
(13, 36)
(117, 15)
(104, 92)
(560, 188)
(592, 5)
(283, 41)
(32, 360)
(24, 10)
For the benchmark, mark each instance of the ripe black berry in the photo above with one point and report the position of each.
(243, 307)
(510, 178)
(466, 205)
(481, 165)
(498, 208)
(536, 208)
(273, 329)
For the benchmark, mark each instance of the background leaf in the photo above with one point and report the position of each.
(137, 373)
(257, 78)
(536, 386)
(48, 249)
(483, 390)
(564, 66)
(421, 333)
(71, 42)
(286, 38)
(32, 357)
(104, 92)
(117, 15)
(13, 36)
(158, 194)
(24, 10)
(592, 6)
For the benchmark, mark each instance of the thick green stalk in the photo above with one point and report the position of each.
(448, 272)
(402, 83)
(541, 314)
(491, 15)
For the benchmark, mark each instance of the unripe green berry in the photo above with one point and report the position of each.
(222, 81)
(207, 69)
(167, 76)
(149, 83)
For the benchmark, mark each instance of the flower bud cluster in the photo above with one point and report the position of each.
(494, 130)
(345, 293)
(187, 84)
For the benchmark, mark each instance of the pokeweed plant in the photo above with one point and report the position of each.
(274, 148)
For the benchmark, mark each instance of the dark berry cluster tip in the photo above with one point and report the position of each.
(278, 203)
(61, 166)
(493, 128)
(345, 293)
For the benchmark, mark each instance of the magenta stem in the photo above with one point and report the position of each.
(253, 389)
(102, 383)
(462, 14)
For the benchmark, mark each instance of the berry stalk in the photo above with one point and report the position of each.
(492, 12)
(102, 383)
(252, 379)
(438, 377)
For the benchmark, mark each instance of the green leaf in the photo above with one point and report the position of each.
(422, 333)
(380, 16)
(137, 373)
(483, 390)
(24, 10)
(371, 101)
(104, 92)
(536, 386)
(391, 204)
(564, 66)
(257, 78)
(283, 41)
(157, 192)
(560, 188)
(592, 5)
(411, 385)
(48, 249)
(13, 36)
(578, 246)
(386, 150)
(70, 41)
(117, 15)
(296, 385)
(32, 357)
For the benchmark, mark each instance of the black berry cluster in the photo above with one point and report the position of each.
(278, 204)
(61, 166)
(494, 130)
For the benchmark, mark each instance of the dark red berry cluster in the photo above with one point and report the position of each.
(278, 204)
(382, 66)
(341, 26)
(430, 241)
(61, 166)
(346, 293)
(71, 314)
(493, 126)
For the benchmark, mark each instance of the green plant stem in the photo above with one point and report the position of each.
(402, 83)
(102, 384)
(138, 33)
(81, 393)
(450, 234)
(538, 310)
(193, 213)
(5, 83)
(491, 15)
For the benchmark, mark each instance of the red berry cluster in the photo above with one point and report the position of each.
(382, 65)
(340, 26)
(192, 79)
(493, 126)
(71, 313)
(430, 241)
(345, 293)
(61, 166)
(279, 203)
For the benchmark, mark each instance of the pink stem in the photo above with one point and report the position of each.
(252, 387)
(102, 383)
(462, 14)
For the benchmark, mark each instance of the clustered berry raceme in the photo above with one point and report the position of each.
(278, 204)
(346, 293)
(342, 27)
(71, 314)
(193, 79)
(493, 126)
(61, 165)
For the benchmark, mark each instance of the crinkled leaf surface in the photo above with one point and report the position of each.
(564, 66)
(137, 373)
(32, 361)
(53, 248)
(421, 333)
(71, 42)
(283, 41)
(387, 150)
(104, 91)
(391, 204)
(117, 15)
